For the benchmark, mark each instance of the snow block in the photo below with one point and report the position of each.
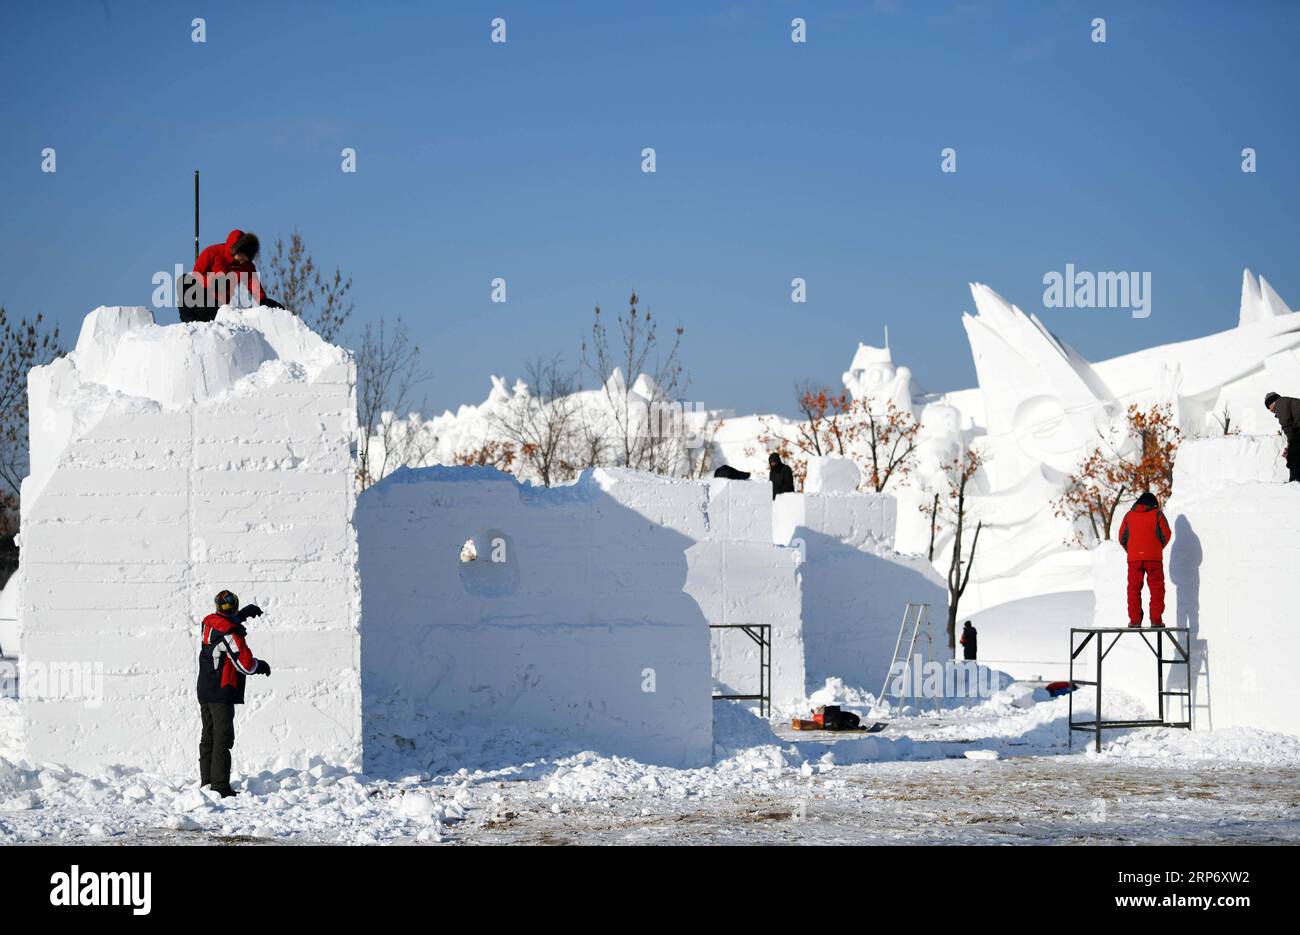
(168, 463)
(567, 613)
(832, 474)
(1232, 577)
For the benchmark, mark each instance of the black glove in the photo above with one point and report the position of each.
(270, 302)
(252, 610)
(261, 668)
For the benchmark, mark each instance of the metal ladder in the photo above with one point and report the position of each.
(917, 616)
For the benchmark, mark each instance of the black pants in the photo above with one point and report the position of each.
(215, 744)
(193, 304)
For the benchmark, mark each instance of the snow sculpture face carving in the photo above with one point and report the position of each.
(1046, 432)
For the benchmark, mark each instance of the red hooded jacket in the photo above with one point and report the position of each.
(1144, 533)
(217, 259)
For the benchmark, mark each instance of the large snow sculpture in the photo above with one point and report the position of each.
(1040, 406)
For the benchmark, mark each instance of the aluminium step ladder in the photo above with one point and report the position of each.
(915, 628)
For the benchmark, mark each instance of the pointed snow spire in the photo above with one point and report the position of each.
(1272, 302)
(1251, 306)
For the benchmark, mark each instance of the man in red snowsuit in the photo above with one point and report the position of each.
(219, 271)
(225, 661)
(1144, 535)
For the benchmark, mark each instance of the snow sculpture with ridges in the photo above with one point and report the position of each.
(169, 462)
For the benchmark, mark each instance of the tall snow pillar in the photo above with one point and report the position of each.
(169, 463)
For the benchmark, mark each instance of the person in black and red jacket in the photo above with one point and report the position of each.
(225, 661)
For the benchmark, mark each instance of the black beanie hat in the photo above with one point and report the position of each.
(248, 245)
(1269, 398)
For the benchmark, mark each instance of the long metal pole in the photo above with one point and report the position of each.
(196, 214)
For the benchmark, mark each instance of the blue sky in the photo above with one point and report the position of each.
(775, 160)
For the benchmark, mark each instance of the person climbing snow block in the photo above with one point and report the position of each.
(1144, 533)
(220, 271)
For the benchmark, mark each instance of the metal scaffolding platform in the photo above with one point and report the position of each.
(760, 633)
(1182, 657)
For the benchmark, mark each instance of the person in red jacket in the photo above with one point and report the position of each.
(1144, 535)
(219, 271)
(225, 661)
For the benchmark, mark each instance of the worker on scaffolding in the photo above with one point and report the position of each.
(1144, 535)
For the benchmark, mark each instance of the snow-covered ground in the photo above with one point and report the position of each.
(997, 772)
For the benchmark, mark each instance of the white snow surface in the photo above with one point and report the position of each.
(477, 780)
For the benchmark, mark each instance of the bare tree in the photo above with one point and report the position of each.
(699, 458)
(388, 370)
(934, 522)
(958, 474)
(543, 423)
(294, 281)
(591, 442)
(24, 344)
(639, 441)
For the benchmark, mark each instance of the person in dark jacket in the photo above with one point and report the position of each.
(1144, 535)
(225, 661)
(1287, 410)
(969, 642)
(218, 273)
(780, 475)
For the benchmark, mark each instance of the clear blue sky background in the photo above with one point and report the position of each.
(775, 160)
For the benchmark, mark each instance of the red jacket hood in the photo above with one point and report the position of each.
(233, 238)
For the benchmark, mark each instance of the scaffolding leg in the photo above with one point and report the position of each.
(1097, 714)
(1160, 674)
(1070, 720)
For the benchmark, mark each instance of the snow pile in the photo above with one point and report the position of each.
(168, 463)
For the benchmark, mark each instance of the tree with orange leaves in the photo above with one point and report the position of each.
(889, 440)
(1131, 459)
(500, 455)
(883, 444)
